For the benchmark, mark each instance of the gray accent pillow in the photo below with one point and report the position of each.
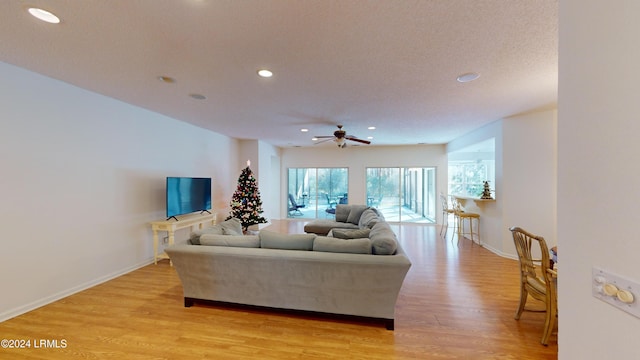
(354, 246)
(383, 239)
(354, 214)
(194, 238)
(248, 241)
(342, 212)
(274, 240)
(232, 226)
(350, 234)
(368, 219)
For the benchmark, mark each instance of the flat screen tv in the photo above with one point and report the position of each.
(186, 195)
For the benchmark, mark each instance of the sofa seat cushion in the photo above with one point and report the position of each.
(323, 226)
(383, 239)
(274, 240)
(250, 241)
(352, 246)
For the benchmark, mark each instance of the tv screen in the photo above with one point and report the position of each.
(186, 195)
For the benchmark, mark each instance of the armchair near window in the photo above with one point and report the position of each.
(330, 202)
(294, 208)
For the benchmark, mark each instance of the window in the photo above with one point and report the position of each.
(318, 190)
(470, 167)
(403, 194)
(467, 177)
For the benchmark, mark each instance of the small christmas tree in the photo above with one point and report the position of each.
(486, 193)
(245, 203)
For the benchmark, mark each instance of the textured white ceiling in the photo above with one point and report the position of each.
(386, 63)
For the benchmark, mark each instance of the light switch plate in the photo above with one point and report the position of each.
(616, 290)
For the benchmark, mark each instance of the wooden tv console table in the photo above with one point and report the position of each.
(171, 225)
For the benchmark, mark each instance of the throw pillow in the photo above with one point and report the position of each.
(350, 234)
(249, 241)
(354, 214)
(355, 246)
(231, 227)
(194, 238)
(273, 240)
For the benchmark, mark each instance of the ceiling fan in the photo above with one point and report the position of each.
(339, 137)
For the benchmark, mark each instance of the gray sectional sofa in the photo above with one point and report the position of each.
(358, 277)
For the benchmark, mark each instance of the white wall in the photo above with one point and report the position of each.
(598, 173)
(82, 176)
(265, 165)
(358, 158)
(529, 176)
(525, 185)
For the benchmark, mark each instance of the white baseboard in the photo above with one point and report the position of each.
(62, 294)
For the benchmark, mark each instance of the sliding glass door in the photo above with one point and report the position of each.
(316, 191)
(403, 194)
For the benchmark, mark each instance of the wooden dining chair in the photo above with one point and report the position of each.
(535, 279)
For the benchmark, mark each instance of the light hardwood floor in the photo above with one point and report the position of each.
(457, 302)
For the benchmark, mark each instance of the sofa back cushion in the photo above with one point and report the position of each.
(247, 241)
(368, 218)
(342, 212)
(274, 240)
(353, 246)
(383, 239)
(355, 213)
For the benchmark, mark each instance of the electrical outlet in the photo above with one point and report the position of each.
(165, 240)
(616, 290)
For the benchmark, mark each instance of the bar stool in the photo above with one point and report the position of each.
(460, 216)
(446, 211)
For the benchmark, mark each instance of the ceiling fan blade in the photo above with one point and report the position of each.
(324, 137)
(322, 141)
(353, 138)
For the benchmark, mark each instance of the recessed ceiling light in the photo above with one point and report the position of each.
(371, 128)
(370, 137)
(166, 79)
(44, 15)
(314, 138)
(467, 77)
(265, 73)
(304, 130)
(197, 96)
